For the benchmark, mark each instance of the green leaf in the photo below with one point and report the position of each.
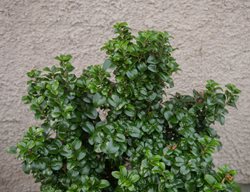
(77, 144)
(56, 165)
(130, 113)
(179, 160)
(134, 178)
(68, 108)
(120, 138)
(55, 85)
(164, 77)
(168, 114)
(156, 158)
(112, 147)
(26, 99)
(40, 100)
(88, 127)
(152, 96)
(135, 132)
(116, 174)
(69, 67)
(91, 113)
(116, 98)
(63, 58)
(107, 64)
(151, 59)
(103, 184)
(80, 83)
(132, 74)
(123, 171)
(184, 170)
(67, 151)
(152, 68)
(142, 67)
(233, 88)
(210, 179)
(73, 127)
(70, 165)
(162, 166)
(33, 73)
(56, 112)
(81, 155)
(115, 101)
(221, 119)
(98, 99)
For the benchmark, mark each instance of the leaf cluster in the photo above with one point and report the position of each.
(143, 143)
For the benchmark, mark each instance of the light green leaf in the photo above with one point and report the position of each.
(152, 68)
(103, 184)
(168, 114)
(116, 174)
(210, 179)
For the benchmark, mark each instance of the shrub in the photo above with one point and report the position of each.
(103, 134)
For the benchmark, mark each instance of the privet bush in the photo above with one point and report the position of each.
(144, 143)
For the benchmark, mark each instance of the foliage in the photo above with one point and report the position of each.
(144, 143)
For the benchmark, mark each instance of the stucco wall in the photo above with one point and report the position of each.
(213, 37)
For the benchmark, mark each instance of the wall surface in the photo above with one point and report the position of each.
(213, 37)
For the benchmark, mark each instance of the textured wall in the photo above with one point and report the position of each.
(213, 37)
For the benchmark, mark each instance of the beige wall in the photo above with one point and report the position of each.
(213, 37)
